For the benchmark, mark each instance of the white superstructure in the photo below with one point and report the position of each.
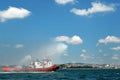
(41, 64)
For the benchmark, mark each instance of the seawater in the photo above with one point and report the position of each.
(65, 74)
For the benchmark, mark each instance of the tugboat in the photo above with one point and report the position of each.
(36, 66)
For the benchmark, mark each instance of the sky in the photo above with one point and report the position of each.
(77, 31)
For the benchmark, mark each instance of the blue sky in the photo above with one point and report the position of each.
(65, 30)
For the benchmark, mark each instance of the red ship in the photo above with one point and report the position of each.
(37, 66)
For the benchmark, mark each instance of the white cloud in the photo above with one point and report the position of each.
(83, 50)
(13, 13)
(63, 2)
(109, 39)
(19, 46)
(73, 40)
(97, 7)
(86, 56)
(115, 57)
(83, 56)
(115, 48)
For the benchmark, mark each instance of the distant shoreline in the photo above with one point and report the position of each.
(89, 66)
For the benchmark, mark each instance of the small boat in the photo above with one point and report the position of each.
(36, 66)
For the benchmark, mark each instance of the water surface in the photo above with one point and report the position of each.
(66, 74)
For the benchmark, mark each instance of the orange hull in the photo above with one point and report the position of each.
(48, 69)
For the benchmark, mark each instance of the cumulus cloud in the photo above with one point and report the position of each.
(73, 40)
(109, 39)
(115, 48)
(63, 2)
(97, 7)
(13, 13)
(19, 46)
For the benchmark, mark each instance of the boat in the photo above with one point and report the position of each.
(36, 66)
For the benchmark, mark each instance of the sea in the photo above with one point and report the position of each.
(64, 74)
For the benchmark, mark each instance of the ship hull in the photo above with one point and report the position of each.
(47, 69)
